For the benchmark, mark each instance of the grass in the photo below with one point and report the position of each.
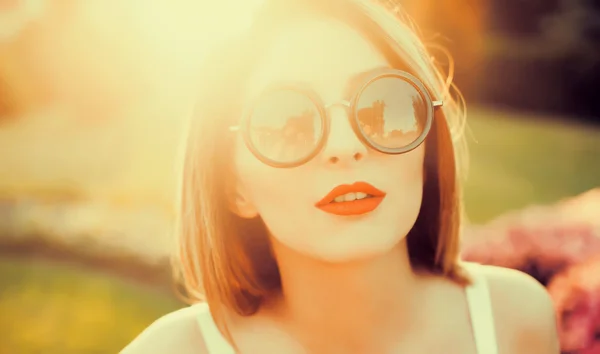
(50, 307)
(518, 160)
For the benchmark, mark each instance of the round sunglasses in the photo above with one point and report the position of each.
(288, 125)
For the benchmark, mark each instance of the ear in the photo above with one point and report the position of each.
(240, 204)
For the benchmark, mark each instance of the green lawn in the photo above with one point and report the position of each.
(54, 308)
(517, 160)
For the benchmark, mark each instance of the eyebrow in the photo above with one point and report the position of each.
(350, 85)
(360, 77)
(356, 78)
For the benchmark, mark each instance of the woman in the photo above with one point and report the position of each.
(320, 206)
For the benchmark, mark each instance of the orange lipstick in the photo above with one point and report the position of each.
(351, 199)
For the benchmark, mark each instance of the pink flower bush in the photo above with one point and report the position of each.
(541, 240)
(576, 295)
(560, 246)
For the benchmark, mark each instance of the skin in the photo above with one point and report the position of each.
(354, 269)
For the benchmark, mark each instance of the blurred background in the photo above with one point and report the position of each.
(93, 98)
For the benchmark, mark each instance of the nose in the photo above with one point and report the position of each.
(343, 146)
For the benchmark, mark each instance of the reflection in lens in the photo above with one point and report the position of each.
(392, 112)
(285, 126)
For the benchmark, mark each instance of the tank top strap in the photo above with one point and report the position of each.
(481, 312)
(213, 339)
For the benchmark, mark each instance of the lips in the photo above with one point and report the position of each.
(342, 200)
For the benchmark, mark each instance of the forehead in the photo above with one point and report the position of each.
(322, 53)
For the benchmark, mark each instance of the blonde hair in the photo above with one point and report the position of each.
(226, 260)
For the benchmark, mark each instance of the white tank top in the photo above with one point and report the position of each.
(480, 312)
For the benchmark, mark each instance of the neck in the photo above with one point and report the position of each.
(346, 300)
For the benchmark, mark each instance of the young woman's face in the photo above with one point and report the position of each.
(326, 55)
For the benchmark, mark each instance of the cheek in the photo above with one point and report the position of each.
(265, 186)
(405, 186)
(407, 169)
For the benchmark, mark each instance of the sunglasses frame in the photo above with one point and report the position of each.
(350, 106)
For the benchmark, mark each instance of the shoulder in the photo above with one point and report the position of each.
(523, 311)
(178, 330)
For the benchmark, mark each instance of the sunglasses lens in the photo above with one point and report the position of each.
(392, 113)
(285, 126)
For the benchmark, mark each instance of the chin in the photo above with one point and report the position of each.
(336, 239)
(352, 248)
